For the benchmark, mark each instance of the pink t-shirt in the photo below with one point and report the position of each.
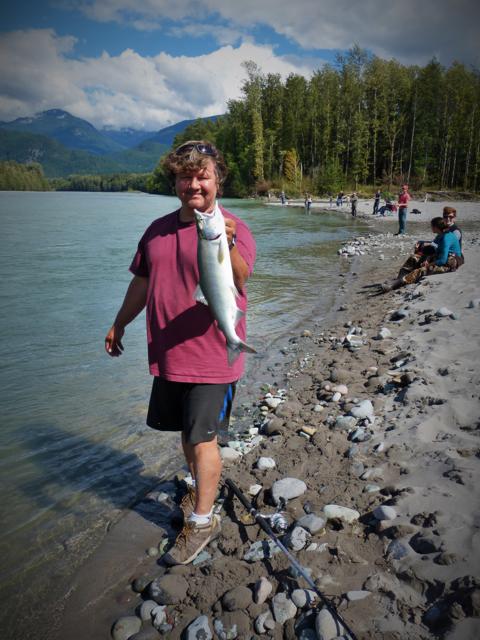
(403, 200)
(184, 342)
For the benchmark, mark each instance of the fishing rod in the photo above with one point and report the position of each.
(264, 524)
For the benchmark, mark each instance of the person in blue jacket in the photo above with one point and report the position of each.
(442, 255)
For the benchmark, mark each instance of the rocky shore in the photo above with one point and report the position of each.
(366, 441)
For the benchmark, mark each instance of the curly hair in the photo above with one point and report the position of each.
(193, 160)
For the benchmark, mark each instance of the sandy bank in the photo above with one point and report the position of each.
(416, 455)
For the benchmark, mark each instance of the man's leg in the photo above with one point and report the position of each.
(205, 465)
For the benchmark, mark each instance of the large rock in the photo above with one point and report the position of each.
(363, 410)
(199, 629)
(237, 598)
(229, 455)
(287, 488)
(169, 589)
(124, 628)
(384, 512)
(263, 588)
(283, 608)
(337, 512)
(326, 626)
(311, 523)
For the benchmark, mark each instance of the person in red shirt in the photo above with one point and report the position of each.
(403, 200)
(194, 384)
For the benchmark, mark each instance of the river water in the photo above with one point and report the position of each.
(74, 448)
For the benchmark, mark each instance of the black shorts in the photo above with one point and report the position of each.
(198, 410)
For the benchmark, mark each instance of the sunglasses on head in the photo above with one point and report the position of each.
(449, 217)
(204, 149)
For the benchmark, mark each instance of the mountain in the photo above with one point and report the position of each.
(167, 135)
(126, 137)
(72, 132)
(55, 159)
(65, 145)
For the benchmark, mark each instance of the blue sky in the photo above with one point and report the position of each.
(150, 63)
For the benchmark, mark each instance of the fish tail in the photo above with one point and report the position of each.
(234, 350)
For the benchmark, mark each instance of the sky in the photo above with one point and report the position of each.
(147, 64)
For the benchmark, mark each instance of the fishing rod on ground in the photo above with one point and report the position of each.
(301, 570)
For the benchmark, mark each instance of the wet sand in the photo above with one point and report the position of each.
(416, 455)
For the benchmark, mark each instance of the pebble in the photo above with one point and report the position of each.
(378, 448)
(358, 435)
(353, 596)
(297, 538)
(303, 597)
(424, 544)
(400, 314)
(146, 609)
(443, 312)
(199, 629)
(337, 512)
(336, 396)
(384, 512)
(474, 304)
(254, 489)
(371, 488)
(341, 388)
(326, 626)
(384, 333)
(283, 608)
(318, 408)
(125, 627)
(168, 589)
(264, 622)
(263, 588)
(345, 422)
(287, 488)
(374, 473)
(152, 552)
(396, 550)
(237, 598)
(261, 550)
(362, 410)
(159, 616)
(265, 463)
(229, 455)
(311, 523)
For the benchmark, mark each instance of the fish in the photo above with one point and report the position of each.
(216, 287)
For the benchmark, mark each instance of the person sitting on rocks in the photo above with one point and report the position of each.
(441, 255)
(450, 217)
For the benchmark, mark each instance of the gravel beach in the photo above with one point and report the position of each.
(365, 436)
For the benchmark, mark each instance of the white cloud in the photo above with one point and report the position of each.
(37, 72)
(409, 30)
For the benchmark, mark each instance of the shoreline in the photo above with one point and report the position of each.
(304, 364)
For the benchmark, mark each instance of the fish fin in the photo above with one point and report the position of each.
(234, 350)
(221, 253)
(199, 295)
(238, 316)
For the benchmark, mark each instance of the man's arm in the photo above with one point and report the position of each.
(239, 266)
(134, 302)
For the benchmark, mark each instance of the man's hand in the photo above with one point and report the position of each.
(230, 229)
(113, 341)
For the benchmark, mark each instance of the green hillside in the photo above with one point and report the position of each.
(55, 159)
(72, 132)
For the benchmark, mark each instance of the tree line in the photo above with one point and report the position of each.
(22, 177)
(363, 121)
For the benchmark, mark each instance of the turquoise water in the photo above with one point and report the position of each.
(74, 449)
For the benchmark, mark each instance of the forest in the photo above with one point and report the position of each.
(22, 177)
(362, 123)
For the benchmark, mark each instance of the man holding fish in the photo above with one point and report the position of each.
(190, 271)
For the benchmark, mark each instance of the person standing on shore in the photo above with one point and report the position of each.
(308, 202)
(403, 200)
(193, 385)
(354, 202)
(282, 197)
(376, 202)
